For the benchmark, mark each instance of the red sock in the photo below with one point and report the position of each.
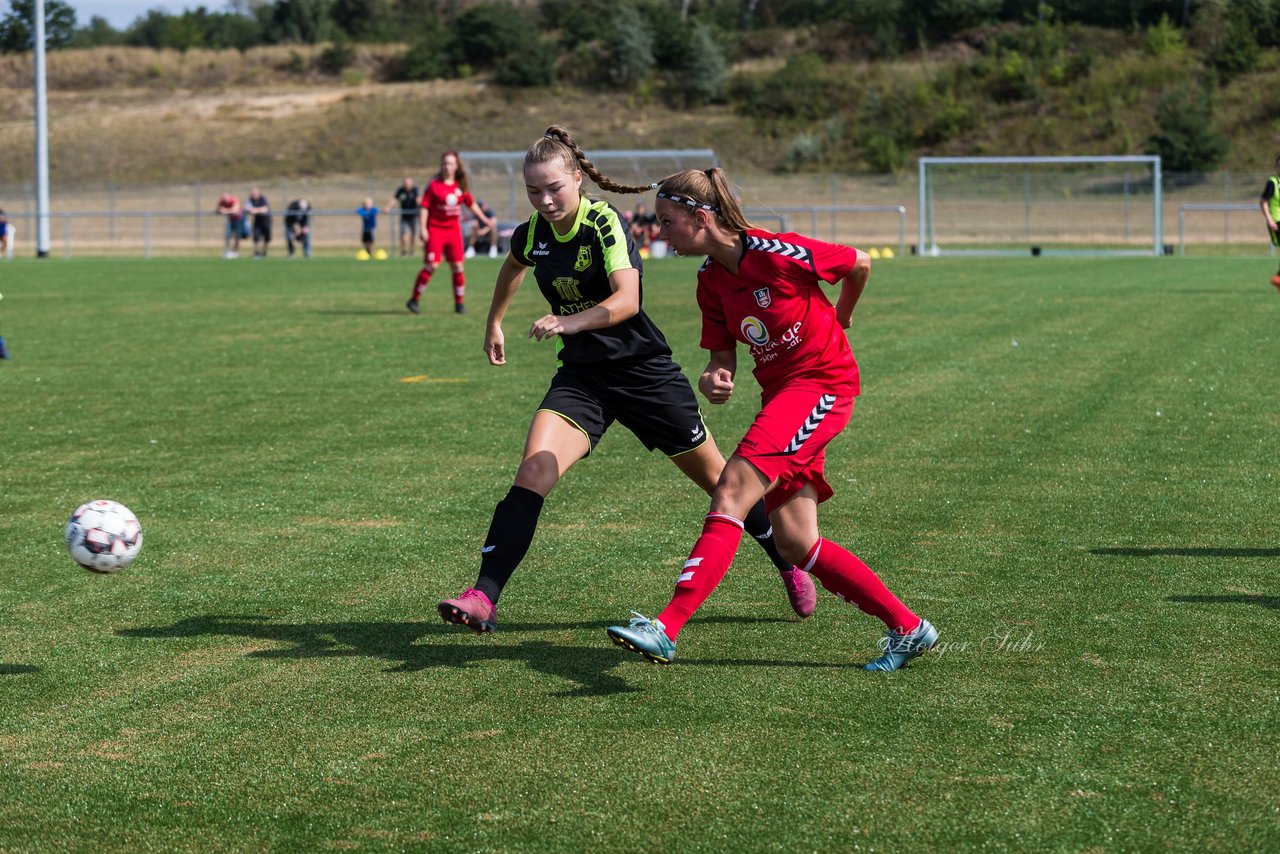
(854, 582)
(704, 569)
(421, 284)
(459, 287)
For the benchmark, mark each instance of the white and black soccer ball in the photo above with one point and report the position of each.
(103, 536)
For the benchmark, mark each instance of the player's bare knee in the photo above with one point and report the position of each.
(538, 472)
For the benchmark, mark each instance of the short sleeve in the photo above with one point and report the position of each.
(467, 200)
(615, 242)
(715, 334)
(1269, 190)
(830, 262)
(520, 244)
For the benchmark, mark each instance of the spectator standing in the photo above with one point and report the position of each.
(6, 247)
(229, 206)
(406, 199)
(368, 224)
(260, 210)
(297, 226)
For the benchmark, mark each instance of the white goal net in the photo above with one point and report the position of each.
(1040, 205)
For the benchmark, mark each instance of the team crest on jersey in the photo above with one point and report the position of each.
(763, 298)
(584, 258)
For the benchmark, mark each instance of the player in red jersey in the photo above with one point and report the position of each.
(439, 217)
(765, 290)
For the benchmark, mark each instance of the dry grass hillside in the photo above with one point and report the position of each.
(140, 116)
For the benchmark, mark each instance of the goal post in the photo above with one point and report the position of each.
(1080, 205)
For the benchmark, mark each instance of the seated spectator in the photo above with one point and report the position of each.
(644, 226)
(481, 239)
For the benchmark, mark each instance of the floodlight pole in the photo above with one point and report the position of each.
(42, 138)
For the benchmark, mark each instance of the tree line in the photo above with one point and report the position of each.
(1022, 53)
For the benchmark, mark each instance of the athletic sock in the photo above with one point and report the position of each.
(514, 521)
(421, 284)
(853, 581)
(757, 524)
(459, 287)
(706, 566)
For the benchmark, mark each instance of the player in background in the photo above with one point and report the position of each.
(765, 290)
(6, 248)
(440, 210)
(615, 365)
(1270, 204)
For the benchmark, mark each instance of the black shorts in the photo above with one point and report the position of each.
(262, 229)
(366, 236)
(651, 398)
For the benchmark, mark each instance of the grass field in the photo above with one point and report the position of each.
(1067, 465)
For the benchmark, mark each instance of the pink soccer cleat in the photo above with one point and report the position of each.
(800, 591)
(472, 609)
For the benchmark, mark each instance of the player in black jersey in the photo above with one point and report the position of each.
(615, 366)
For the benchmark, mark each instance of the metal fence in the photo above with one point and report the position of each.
(865, 211)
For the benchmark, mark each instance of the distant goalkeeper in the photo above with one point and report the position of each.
(1270, 204)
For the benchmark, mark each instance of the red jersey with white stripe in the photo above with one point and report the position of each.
(776, 306)
(444, 203)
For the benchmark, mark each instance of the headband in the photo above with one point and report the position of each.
(685, 200)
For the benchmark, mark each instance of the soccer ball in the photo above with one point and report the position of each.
(103, 536)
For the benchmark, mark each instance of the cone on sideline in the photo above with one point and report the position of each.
(873, 252)
(887, 252)
(362, 255)
(380, 255)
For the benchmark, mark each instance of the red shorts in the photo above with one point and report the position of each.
(443, 243)
(788, 441)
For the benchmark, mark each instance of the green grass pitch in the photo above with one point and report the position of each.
(1068, 465)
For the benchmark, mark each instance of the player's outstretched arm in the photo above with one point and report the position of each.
(851, 288)
(504, 291)
(622, 304)
(716, 382)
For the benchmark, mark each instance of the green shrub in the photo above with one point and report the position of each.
(1186, 140)
(534, 65)
(631, 49)
(337, 56)
(428, 57)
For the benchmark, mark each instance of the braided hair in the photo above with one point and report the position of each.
(557, 143)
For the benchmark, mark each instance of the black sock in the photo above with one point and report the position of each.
(757, 524)
(510, 533)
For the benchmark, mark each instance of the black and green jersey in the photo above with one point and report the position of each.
(573, 274)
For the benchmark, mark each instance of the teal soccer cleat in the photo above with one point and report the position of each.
(645, 637)
(900, 648)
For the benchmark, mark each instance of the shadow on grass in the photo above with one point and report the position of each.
(1186, 552)
(585, 666)
(399, 642)
(1231, 599)
(17, 669)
